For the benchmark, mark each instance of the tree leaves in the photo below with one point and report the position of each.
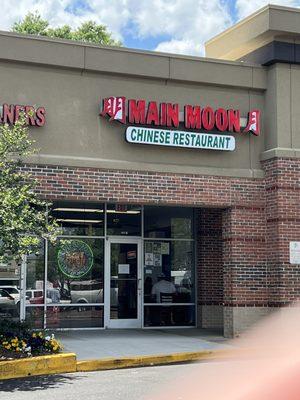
(89, 31)
(23, 216)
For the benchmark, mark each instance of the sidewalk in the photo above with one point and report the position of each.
(96, 350)
(99, 344)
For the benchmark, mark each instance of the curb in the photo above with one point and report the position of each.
(41, 365)
(67, 362)
(149, 360)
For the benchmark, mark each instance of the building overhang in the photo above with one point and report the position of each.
(272, 34)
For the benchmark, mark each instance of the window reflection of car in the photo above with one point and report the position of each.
(86, 292)
(36, 296)
(7, 302)
(13, 291)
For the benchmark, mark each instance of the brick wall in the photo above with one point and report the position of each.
(210, 267)
(56, 182)
(283, 226)
(209, 256)
(244, 257)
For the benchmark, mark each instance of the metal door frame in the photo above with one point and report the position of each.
(122, 323)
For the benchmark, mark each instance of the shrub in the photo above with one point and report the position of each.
(17, 340)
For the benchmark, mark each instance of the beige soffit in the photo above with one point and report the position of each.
(264, 26)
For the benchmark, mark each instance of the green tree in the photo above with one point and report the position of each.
(89, 31)
(23, 216)
(32, 24)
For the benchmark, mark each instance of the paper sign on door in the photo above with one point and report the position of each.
(123, 268)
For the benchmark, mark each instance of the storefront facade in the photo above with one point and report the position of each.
(175, 180)
(115, 266)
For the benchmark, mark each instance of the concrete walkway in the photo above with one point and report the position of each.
(95, 344)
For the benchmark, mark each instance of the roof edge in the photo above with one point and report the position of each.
(83, 44)
(250, 17)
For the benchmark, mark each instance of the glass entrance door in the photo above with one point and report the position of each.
(123, 283)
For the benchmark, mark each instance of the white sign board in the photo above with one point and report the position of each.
(192, 140)
(294, 252)
(123, 268)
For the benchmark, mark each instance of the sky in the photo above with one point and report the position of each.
(174, 26)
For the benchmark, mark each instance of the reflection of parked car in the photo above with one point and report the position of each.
(86, 292)
(36, 296)
(13, 291)
(7, 302)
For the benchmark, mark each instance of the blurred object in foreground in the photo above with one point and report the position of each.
(263, 365)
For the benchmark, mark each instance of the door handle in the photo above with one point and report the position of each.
(140, 284)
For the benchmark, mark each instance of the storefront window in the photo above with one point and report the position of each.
(83, 219)
(169, 272)
(35, 276)
(9, 274)
(124, 220)
(35, 316)
(169, 315)
(9, 290)
(69, 276)
(168, 222)
(76, 271)
(74, 317)
(169, 286)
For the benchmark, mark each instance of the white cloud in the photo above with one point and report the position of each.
(189, 23)
(181, 47)
(15, 10)
(247, 7)
(115, 14)
(111, 13)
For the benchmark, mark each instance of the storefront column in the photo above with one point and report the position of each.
(244, 266)
(283, 227)
(210, 268)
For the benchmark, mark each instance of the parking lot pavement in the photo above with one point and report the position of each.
(131, 384)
